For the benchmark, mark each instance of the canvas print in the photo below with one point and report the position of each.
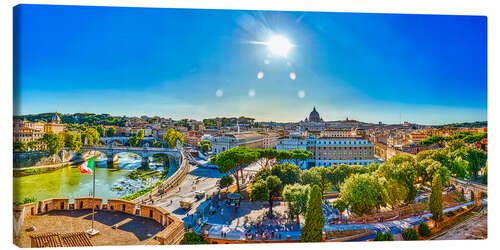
(161, 126)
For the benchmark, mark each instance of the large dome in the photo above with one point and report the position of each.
(314, 116)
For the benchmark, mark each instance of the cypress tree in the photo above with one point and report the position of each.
(312, 231)
(436, 199)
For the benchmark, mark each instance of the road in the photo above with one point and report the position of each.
(197, 179)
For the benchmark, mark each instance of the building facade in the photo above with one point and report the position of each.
(225, 141)
(330, 151)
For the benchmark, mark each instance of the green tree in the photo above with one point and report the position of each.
(459, 167)
(172, 136)
(363, 193)
(433, 167)
(410, 234)
(205, 146)
(73, 141)
(288, 173)
(53, 142)
(340, 204)
(91, 135)
(283, 156)
(111, 132)
(233, 160)
(296, 196)
(339, 174)
(20, 146)
(300, 155)
(384, 236)
(396, 192)
(423, 229)
(266, 191)
(191, 238)
(402, 171)
(34, 145)
(268, 154)
(311, 178)
(226, 181)
(436, 199)
(101, 130)
(325, 178)
(312, 231)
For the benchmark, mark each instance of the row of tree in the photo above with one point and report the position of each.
(234, 160)
(394, 182)
(52, 142)
(465, 136)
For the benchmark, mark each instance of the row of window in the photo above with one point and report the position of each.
(338, 148)
(326, 163)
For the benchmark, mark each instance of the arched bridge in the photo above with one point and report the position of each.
(479, 190)
(144, 152)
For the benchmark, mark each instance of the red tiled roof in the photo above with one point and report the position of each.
(74, 239)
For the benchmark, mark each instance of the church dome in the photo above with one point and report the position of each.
(56, 119)
(314, 116)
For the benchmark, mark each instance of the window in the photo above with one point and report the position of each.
(151, 213)
(123, 207)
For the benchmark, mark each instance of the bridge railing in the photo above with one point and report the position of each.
(129, 148)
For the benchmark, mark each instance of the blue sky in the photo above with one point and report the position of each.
(430, 69)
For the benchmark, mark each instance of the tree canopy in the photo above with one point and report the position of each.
(363, 193)
(266, 191)
(296, 196)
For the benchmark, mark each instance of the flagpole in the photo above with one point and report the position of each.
(93, 195)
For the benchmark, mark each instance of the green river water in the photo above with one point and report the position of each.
(69, 183)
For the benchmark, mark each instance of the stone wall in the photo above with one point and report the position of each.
(121, 206)
(39, 158)
(86, 203)
(48, 205)
(156, 213)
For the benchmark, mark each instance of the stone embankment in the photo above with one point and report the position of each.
(169, 183)
(28, 163)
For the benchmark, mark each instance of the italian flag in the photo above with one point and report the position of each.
(87, 167)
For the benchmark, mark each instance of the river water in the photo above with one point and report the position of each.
(68, 182)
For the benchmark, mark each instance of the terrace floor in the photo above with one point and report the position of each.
(131, 230)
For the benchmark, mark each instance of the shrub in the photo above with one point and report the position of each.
(191, 238)
(226, 181)
(384, 236)
(423, 229)
(26, 200)
(410, 234)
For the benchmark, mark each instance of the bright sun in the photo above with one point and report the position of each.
(279, 45)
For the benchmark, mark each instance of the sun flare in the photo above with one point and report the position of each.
(279, 45)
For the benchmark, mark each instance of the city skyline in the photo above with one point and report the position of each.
(425, 69)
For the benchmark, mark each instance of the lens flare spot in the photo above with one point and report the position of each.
(301, 94)
(219, 93)
(251, 92)
(260, 75)
(293, 75)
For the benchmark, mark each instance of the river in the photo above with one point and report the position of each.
(68, 182)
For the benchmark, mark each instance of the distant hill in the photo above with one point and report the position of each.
(77, 118)
(476, 124)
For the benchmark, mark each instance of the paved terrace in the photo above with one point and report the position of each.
(197, 179)
(131, 230)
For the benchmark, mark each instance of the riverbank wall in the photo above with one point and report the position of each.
(39, 158)
(171, 182)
